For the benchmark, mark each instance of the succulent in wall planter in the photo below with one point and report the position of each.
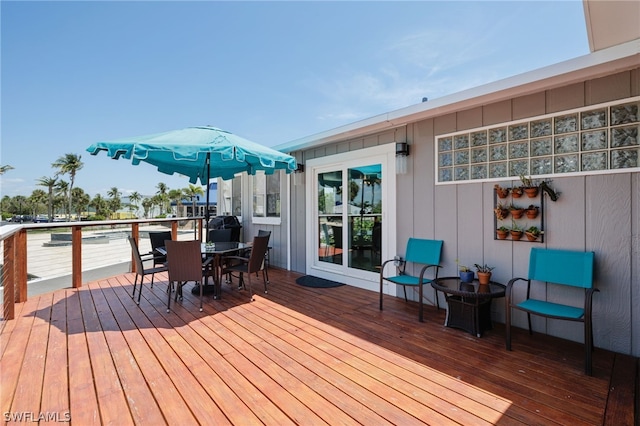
(502, 232)
(516, 232)
(529, 186)
(516, 211)
(502, 192)
(501, 212)
(532, 211)
(516, 192)
(533, 233)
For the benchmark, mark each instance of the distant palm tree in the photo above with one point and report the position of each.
(37, 197)
(192, 192)
(50, 184)
(4, 169)
(147, 205)
(115, 203)
(68, 164)
(80, 201)
(162, 199)
(176, 196)
(62, 190)
(134, 199)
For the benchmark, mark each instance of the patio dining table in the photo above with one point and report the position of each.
(218, 250)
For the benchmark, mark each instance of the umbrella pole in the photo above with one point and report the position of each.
(206, 213)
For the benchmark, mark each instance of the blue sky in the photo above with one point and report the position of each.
(75, 73)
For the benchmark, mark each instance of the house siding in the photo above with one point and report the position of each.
(594, 212)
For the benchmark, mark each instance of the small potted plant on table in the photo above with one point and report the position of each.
(484, 273)
(466, 274)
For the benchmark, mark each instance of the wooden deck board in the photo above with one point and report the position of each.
(296, 355)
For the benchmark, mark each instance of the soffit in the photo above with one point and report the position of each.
(611, 22)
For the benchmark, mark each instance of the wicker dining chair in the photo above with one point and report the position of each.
(253, 264)
(185, 264)
(141, 271)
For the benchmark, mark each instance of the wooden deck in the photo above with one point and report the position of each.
(296, 355)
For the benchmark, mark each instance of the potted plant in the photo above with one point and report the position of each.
(501, 211)
(517, 191)
(532, 233)
(516, 232)
(502, 192)
(516, 211)
(466, 274)
(484, 273)
(502, 232)
(532, 211)
(529, 186)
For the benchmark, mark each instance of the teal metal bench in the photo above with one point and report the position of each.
(557, 267)
(419, 252)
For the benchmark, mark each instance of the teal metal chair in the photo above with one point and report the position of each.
(562, 268)
(419, 252)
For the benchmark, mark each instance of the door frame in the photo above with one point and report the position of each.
(382, 154)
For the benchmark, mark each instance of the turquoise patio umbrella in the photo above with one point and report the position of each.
(199, 153)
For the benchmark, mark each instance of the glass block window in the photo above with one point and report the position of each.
(598, 138)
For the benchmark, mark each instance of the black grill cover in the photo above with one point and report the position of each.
(227, 222)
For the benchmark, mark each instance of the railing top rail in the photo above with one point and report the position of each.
(8, 230)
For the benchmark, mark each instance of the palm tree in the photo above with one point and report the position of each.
(192, 192)
(115, 203)
(101, 205)
(62, 191)
(162, 197)
(80, 201)
(176, 195)
(134, 199)
(4, 169)
(50, 183)
(68, 164)
(147, 204)
(37, 197)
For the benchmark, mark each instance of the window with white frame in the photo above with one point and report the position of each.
(597, 138)
(266, 195)
(231, 199)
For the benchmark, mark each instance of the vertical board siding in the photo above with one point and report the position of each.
(597, 212)
(609, 235)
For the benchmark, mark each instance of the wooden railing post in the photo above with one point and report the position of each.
(76, 256)
(135, 234)
(21, 266)
(9, 278)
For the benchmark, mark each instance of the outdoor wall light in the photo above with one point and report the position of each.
(402, 152)
(298, 176)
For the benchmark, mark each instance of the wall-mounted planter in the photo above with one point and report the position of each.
(523, 218)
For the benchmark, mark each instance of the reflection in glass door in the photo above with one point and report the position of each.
(330, 217)
(353, 197)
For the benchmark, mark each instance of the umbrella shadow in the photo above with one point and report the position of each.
(108, 306)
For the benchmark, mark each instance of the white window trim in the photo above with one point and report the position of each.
(263, 220)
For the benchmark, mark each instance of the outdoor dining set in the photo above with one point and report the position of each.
(203, 263)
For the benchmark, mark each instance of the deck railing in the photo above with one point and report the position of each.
(14, 239)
